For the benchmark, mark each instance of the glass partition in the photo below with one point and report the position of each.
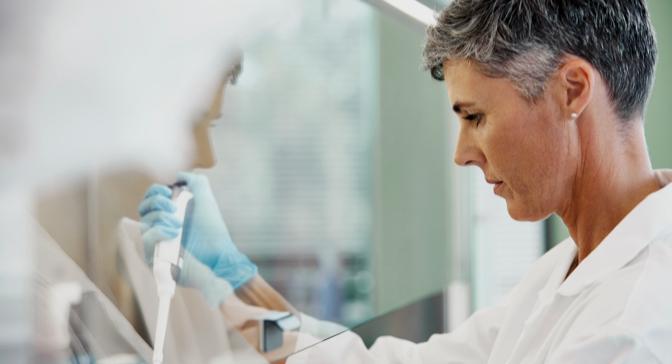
(335, 175)
(295, 148)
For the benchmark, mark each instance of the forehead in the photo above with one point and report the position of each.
(467, 84)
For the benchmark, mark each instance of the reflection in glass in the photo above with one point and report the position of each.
(295, 160)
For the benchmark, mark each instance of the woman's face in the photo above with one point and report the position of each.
(523, 149)
(204, 156)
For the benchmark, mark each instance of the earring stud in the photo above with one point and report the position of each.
(574, 116)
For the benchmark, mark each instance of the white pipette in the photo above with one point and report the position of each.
(167, 266)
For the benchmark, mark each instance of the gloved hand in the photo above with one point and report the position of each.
(206, 237)
(195, 274)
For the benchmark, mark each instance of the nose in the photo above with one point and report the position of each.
(467, 152)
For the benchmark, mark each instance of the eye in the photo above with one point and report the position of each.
(474, 118)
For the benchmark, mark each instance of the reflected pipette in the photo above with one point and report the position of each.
(167, 266)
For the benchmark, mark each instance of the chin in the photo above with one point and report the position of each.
(523, 212)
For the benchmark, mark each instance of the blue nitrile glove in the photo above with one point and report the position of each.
(196, 275)
(206, 236)
(160, 225)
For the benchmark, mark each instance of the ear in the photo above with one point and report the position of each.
(577, 82)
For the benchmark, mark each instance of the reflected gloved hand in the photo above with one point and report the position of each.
(206, 237)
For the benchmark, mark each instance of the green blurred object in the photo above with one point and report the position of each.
(659, 111)
(410, 253)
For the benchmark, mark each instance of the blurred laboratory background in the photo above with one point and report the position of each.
(334, 173)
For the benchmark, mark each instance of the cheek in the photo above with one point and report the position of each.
(525, 157)
(510, 150)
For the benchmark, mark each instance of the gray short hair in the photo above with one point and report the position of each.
(525, 41)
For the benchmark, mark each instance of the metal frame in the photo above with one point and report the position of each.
(413, 12)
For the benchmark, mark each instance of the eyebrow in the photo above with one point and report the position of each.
(458, 106)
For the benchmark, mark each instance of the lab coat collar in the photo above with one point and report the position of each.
(566, 254)
(634, 233)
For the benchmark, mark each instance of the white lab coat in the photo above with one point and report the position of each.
(104, 328)
(616, 307)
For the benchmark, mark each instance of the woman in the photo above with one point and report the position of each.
(550, 97)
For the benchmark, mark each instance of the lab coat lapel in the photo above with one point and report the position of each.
(559, 273)
(634, 233)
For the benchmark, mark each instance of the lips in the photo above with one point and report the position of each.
(497, 185)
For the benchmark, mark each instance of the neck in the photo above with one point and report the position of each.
(613, 176)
